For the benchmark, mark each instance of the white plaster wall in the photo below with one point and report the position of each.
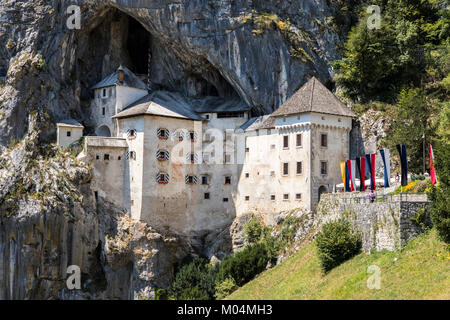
(134, 174)
(97, 105)
(261, 160)
(127, 95)
(63, 140)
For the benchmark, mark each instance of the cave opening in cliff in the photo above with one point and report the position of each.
(115, 38)
(138, 44)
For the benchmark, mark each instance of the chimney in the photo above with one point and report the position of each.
(121, 73)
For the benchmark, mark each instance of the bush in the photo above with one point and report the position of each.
(194, 281)
(244, 265)
(336, 243)
(253, 231)
(440, 196)
(225, 288)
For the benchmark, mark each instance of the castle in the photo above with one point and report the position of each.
(195, 164)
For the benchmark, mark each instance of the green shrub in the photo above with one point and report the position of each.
(440, 211)
(194, 280)
(253, 230)
(244, 265)
(336, 243)
(421, 219)
(225, 288)
(161, 294)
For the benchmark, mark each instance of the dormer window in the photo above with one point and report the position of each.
(163, 133)
(162, 178)
(162, 155)
(190, 179)
(131, 134)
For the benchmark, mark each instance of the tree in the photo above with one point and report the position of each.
(411, 125)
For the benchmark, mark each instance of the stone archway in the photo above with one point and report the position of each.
(322, 189)
(103, 131)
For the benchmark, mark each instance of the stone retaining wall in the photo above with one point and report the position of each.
(384, 225)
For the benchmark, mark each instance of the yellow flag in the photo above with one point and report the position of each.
(343, 171)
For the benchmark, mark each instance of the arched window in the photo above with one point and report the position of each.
(163, 133)
(162, 178)
(162, 155)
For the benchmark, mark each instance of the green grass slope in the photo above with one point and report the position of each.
(419, 271)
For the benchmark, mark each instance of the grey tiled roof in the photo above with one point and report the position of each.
(261, 122)
(162, 103)
(129, 80)
(313, 96)
(217, 104)
(70, 123)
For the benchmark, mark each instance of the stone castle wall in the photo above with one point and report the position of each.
(384, 224)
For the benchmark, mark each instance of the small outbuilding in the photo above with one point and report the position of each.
(68, 132)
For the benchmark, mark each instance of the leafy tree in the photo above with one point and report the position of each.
(336, 243)
(411, 124)
(377, 63)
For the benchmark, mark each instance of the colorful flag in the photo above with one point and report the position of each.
(343, 171)
(401, 148)
(432, 171)
(362, 173)
(370, 159)
(385, 155)
(353, 174)
(347, 178)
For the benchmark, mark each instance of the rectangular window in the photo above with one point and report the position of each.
(299, 168)
(323, 140)
(69, 133)
(286, 196)
(285, 142)
(103, 111)
(206, 195)
(228, 180)
(298, 196)
(97, 157)
(104, 93)
(106, 157)
(247, 175)
(192, 136)
(272, 197)
(225, 199)
(227, 158)
(206, 157)
(205, 180)
(323, 167)
(247, 198)
(299, 140)
(247, 149)
(285, 169)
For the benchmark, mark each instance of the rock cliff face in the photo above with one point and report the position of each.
(259, 51)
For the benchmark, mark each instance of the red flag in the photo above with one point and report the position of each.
(432, 172)
(362, 175)
(372, 163)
